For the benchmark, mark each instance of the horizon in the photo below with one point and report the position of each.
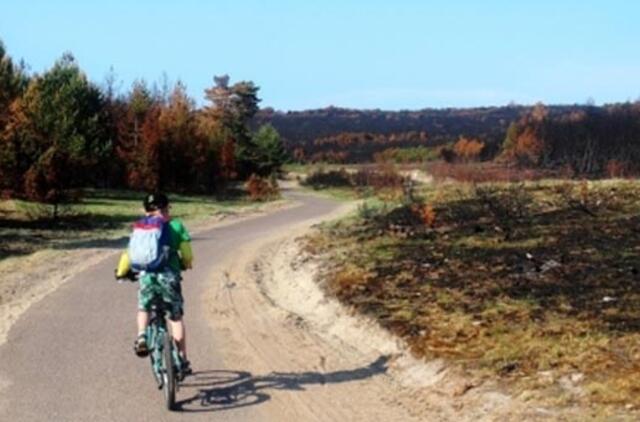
(359, 56)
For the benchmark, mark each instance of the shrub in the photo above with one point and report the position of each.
(617, 169)
(50, 179)
(426, 213)
(468, 149)
(369, 212)
(513, 202)
(261, 189)
(507, 206)
(384, 179)
(321, 179)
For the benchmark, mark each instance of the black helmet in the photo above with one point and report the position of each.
(155, 201)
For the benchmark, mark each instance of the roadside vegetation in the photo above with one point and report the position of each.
(532, 282)
(103, 218)
(356, 181)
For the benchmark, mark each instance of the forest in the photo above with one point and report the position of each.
(60, 132)
(583, 139)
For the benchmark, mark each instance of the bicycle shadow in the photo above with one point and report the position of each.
(228, 389)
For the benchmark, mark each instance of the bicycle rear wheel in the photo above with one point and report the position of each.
(169, 373)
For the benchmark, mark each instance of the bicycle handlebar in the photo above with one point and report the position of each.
(130, 275)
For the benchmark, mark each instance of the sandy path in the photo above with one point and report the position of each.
(320, 377)
(330, 364)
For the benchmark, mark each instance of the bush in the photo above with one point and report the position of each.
(321, 179)
(426, 213)
(370, 212)
(261, 189)
(508, 206)
(50, 180)
(383, 177)
(617, 169)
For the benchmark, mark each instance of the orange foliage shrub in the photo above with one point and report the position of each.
(528, 148)
(261, 189)
(468, 149)
(426, 213)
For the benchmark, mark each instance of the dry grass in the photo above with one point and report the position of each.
(484, 172)
(540, 288)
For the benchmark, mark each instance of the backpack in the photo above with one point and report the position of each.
(149, 244)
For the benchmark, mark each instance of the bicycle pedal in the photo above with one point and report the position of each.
(141, 352)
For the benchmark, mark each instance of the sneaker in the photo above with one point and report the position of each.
(140, 346)
(185, 370)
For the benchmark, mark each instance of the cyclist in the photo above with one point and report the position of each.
(168, 277)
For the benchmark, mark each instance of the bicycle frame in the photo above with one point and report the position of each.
(156, 333)
(166, 362)
(167, 365)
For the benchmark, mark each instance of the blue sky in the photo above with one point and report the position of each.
(362, 54)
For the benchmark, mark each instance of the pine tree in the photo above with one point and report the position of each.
(60, 131)
(269, 153)
(228, 116)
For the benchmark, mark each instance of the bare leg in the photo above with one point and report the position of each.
(178, 331)
(143, 321)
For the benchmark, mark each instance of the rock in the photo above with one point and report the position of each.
(577, 377)
(549, 265)
(546, 377)
(460, 389)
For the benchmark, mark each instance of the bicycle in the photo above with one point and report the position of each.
(167, 365)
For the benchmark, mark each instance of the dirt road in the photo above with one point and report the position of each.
(69, 358)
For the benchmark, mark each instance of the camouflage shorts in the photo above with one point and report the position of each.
(165, 285)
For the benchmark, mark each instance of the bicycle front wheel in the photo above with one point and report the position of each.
(169, 372)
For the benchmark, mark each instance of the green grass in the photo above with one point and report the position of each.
(512, 281)
(308, 168)
(340, 194)
(100, 218)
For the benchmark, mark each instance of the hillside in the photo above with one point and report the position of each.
(299, 128)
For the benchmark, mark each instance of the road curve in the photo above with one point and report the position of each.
(69, 358)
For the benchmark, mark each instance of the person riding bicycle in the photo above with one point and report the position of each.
(168, 276)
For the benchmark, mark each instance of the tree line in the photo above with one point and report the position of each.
(590, 141)
(355, 147)
(60, 132)
(303, 127)
(581, 139)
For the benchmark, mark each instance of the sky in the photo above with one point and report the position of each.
(391, 55)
